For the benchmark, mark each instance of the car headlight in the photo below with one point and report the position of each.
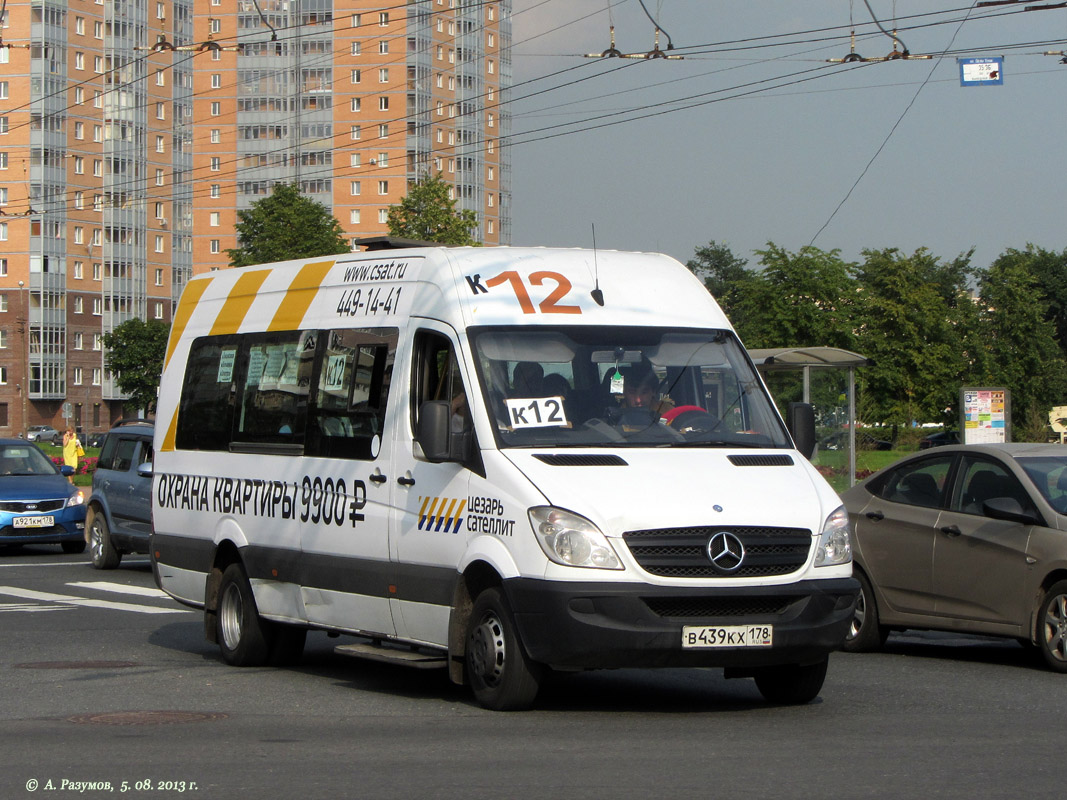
(572, 540)
(835, 542)
(76, 499)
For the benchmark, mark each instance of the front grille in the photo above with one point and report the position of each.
(23, 506)
(682, 552)
(694, 607)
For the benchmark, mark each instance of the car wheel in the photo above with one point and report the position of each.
(865, 634)
(244, 638)
(1052, 627)
(792, 684)
(73, 547)
(498, 670)
(102, 552)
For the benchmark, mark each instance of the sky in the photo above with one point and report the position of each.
(754, 138)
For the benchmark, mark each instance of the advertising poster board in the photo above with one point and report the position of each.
(985, 415)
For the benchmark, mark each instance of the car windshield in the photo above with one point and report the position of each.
(1049, 475)
(24, 459)
(610, 386)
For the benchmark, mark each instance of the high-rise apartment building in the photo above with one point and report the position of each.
(131, 134)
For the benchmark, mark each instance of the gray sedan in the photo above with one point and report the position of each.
(964, 538)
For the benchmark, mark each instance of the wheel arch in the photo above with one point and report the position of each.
(226, 553)
(1047, 583)
(478, 576)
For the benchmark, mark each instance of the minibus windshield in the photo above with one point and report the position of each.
(583, 386)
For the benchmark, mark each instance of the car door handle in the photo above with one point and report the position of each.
(377, 477)
(406, 481)
(875, 515)
(951, 530)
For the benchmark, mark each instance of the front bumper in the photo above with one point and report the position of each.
(608, 625)
(67, 528)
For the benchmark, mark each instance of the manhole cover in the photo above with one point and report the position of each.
(77, 665)
(146, 717)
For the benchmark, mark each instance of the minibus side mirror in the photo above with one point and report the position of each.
(434, 432)
(801, 424)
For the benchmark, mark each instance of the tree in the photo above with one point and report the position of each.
(723, 273)
(916, 322)
(283, 226)
(135, 351)
(429, 214)
(1050, 271)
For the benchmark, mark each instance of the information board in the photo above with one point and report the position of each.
(981, 71)
(985, 415)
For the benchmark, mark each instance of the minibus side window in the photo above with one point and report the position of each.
(205, 417)
(347, 414)
(273, 407)
(437, 377)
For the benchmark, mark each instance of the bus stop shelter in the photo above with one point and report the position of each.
(806, 359)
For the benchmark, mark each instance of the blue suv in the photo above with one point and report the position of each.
(119, 517)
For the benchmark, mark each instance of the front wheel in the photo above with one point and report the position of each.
(1052, 627)
(498, 670)
(792, 684)
(102, 552)
(866, 633)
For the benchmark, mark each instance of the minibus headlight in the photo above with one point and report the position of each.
(572, 540)
(835, 542)
(76, 499)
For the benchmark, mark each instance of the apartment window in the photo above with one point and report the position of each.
(3, 90)
(356, 20)
(383, 159)
(214, 219)
(490, 146)
(383, 131)
(356, 76)
(97, 374)
(490, 66)
(3, 267)
(79, 26)
(440, 53)
(489, 199)
(159, 243)
(216, 135)
(383, 75)
(161, 110)
(490, 173)
(98, 168)
(79, 340)
(159, 310)
(77, 376)
(97, 341)
(355, 159)
(78, 307)
(214, 246)
(3, 339)
(79, 95)
(492, 40)
(3, 195)
(216, 55)
(3, 302)
(79, 234)
(383, 216)
(98, 236)
(98, 64)
(383, 187)
(3, 231)
(3, 380)
(159, 177)
(354, 188)
(159, 210)
(383, 103)
(216, 80)
(216, 163)
(98, 99)
(353, 216)
(216, 190)
(161, 144)
(79, 61)
(98, 306)
(78, 270)
(491, 122)
(383, 47)
(161, 11)
(355, 132)
(159, 277)
(440, 111)
(216, 108)
(96, 270)
(489, 227)
(161, 78)
(98, 133)
(3, 160)
(355, 104)
(216, 25)
(98, 29)
(383, 19)
(357, 48)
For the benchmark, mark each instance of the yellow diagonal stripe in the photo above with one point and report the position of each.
(190, 297)
(297, 300)
(239, 301)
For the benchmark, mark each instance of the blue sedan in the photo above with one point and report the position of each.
(38, 504)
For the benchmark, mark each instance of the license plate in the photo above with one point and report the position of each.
(34, 522)
(699, 636)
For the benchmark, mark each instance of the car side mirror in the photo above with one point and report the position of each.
(1009, 509)
(145, 469)
(801, 424)
(435, 435)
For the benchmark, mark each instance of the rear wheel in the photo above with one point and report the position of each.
(102, 550)
(243, 636)
(1052, 627)
(865, 634)
(792, 684)
(498, 670)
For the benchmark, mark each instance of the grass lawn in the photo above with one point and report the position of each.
(54, 451)
(867, 461)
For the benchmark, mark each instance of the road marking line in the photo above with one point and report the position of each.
(30, 607)
(29, 594)
(121, 588)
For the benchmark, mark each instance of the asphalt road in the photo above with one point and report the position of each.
(104, 681)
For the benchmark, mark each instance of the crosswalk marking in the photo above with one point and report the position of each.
(48, 597)
(5, 607)
(121, 588)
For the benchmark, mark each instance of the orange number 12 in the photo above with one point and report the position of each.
(551, 304)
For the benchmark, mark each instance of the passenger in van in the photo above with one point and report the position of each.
(526, 381)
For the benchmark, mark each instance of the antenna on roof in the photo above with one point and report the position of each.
(596, 294)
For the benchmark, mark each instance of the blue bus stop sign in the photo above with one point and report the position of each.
(981, 71)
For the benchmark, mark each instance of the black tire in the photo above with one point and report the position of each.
(244, 638)
(865, 634)
(73, 547)
(102, 552)
(500, 674)
(792, 684)
(1052, 627)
